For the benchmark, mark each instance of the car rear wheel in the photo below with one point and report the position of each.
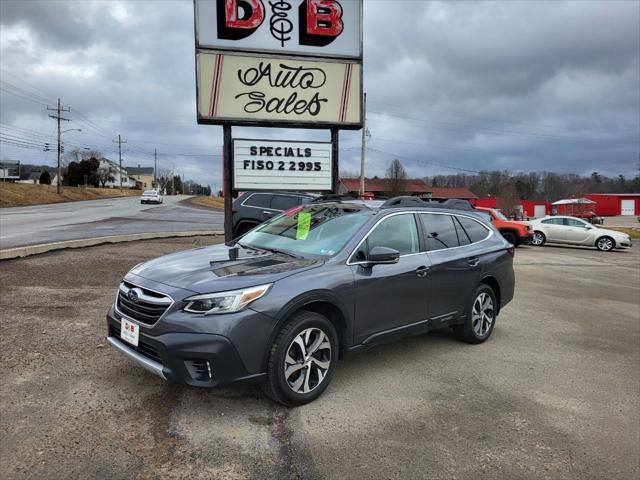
(538, 239)
(481, 316)
(510, 237)
(605, 244)
(302, 359)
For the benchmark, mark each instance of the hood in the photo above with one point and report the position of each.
(209, 269)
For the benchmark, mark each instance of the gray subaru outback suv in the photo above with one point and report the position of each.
(283, 303)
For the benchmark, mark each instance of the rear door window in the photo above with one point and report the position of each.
(474, 231)
(572, 222)
(440, 231)
(260, 200)
(284, 202)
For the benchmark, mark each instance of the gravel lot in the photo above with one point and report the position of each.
(554, 394)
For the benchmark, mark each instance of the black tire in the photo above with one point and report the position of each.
(468, 331)
(510, 237)
(538, 239)
(605, 244)
(243, 228)
(277, 387)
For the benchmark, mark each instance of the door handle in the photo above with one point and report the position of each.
(267, 213)
(473, 261)
(422, 271)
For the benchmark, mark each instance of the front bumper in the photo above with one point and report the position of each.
(525, 239)
(197, 359)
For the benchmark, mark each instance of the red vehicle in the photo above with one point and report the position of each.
(513, 231)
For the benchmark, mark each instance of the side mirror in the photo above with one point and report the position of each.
(380, 255)
(588, 227)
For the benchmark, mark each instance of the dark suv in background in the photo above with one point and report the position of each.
(250, 209)
(289, 298)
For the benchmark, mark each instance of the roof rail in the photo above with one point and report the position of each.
(408, 201)
(333, 197)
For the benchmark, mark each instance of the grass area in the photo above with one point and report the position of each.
(213, 202)
(21, 194)
(633, 232)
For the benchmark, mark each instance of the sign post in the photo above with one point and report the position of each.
(285, 63)
(227, 183)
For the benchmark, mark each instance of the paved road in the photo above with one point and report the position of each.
(36, 224)
(552, 395)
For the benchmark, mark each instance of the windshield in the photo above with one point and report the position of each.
(501, 215)
(149, 192)
(321, 229)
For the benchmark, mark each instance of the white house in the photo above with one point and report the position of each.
(115, 172)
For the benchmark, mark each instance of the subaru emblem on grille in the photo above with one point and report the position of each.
(132, 295)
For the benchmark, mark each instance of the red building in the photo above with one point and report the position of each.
(380, 187)
(611, 204)
(530, 208)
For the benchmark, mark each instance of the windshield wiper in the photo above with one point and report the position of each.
(277, 250)
(267, 249)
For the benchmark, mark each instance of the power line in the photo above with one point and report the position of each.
(454, 126)
(421, 161)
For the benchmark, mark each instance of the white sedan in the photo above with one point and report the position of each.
(151, 196)
(574, 231)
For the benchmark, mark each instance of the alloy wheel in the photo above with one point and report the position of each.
(307, 361)
(537, 239)
(605, 244)
(482, 314)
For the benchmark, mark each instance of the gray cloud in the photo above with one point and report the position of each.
(531, 85)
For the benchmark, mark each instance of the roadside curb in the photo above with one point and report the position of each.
(26, 251)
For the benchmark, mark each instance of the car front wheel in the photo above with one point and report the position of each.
(481, 316)
(302, 359)
(605, 244)
(510, 237)
(538, 239)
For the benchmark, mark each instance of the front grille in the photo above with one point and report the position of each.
(149, 306)
(143, 347)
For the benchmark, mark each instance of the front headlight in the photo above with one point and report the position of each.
(225, 302)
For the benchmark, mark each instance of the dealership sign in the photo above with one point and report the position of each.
(281, 165)
(327, 28)
(248, 90)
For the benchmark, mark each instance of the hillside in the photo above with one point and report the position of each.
(21, 194)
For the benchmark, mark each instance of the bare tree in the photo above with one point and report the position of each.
(106, 173)
(164, 177)
(397, 176)
(508, 199)
(79, 154)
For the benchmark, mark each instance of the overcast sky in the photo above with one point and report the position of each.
(526, 85)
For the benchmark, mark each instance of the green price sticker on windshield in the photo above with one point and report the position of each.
(304, 224)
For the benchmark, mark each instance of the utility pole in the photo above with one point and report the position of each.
(59, 110)
(155, 168)
(364, 140)
(120, 142)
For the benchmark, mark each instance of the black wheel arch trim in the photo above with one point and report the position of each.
(488, 278)
(307, 298)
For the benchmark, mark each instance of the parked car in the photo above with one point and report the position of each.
(250, 209)
(514, 232)
(151, 196)
(307, 287)
(575, 231)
